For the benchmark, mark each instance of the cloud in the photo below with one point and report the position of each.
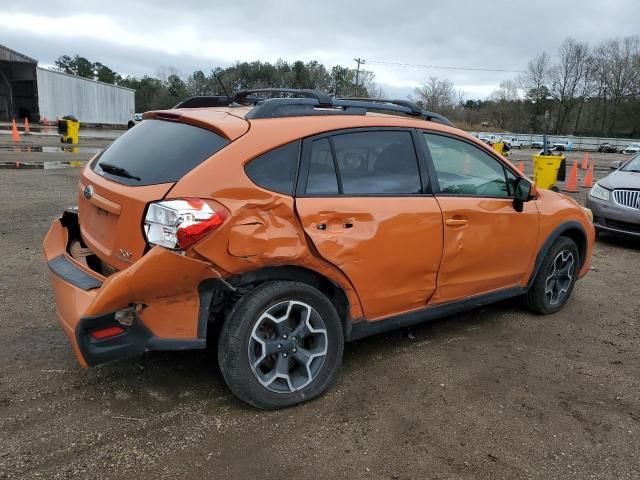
(138, 37)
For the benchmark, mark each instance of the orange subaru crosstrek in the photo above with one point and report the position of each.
(282, 227)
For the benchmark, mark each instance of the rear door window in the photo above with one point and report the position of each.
(156, 151)
(377, 163)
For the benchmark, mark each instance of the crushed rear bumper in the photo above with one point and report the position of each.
(168, 314)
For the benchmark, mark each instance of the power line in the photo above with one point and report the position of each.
(442, 67)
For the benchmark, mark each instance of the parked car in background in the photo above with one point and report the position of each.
(607, 148)
(615, 199)
(490, 139)
(512, 142)
(280, 230)
(631, 149)
(539, 144)
(137, 118)
(563, 145)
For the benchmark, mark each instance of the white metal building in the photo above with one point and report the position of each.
(27, 90)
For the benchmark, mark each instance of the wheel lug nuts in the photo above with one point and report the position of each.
(285, 354)
(279, 345)
(285, 336)
(295, 350)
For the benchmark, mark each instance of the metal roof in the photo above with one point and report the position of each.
(8, 55)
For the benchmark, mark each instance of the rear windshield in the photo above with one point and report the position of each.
(156, 151)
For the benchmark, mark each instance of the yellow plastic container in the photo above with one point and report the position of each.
(69, 129)
(545, 170)
(499, 147)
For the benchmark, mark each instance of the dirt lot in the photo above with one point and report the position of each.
(493, 393)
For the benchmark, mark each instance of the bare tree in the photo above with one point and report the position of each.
(534, 82)
(566, 77)
(438, 95)
(505, 104)
(616, 74)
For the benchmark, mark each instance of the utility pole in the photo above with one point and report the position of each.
(358, 61)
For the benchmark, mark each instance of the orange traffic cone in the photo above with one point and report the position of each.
(572, 184)
(27, 130)
(588, 178)
(521, 167)
(45, 124)
(15, 136)
(585, 161)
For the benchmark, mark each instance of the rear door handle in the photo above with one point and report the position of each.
(456, 222)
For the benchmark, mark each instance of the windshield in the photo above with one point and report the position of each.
(632, 165)
(156, 151)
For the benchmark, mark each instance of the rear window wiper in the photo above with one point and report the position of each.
(117, 171)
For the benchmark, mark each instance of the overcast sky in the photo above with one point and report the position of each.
(137, 36)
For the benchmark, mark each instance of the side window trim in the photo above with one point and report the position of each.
(335, 164)
(435, 185)
(305, 158)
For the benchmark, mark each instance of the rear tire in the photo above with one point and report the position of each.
(555, 279)
(281, 344)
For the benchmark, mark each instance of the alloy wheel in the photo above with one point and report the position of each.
(287, 346)
(560, 277)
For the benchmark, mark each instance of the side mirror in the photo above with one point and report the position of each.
(615, 165)
(522, 193)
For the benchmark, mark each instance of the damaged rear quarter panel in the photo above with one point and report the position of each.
(167, 283)
(262, 229)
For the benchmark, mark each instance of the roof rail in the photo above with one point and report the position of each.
(416, 110)
(324, 99)
(305, 102)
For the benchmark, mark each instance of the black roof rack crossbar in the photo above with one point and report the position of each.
(324, 100)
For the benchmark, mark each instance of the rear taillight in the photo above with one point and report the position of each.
(178, 224)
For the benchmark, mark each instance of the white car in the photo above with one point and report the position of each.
(631, 148)
(513, 142)
(539, 144)
(563, 145)
(490, 139)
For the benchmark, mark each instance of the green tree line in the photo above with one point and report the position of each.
(168, 86)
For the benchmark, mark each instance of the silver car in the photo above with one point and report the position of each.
(615, 199)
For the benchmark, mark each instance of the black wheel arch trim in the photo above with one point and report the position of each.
(561, 229)
(215, 292)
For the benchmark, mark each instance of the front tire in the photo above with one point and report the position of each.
(281, 344)
(556, 278)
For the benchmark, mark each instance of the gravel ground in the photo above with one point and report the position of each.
(492, 393)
